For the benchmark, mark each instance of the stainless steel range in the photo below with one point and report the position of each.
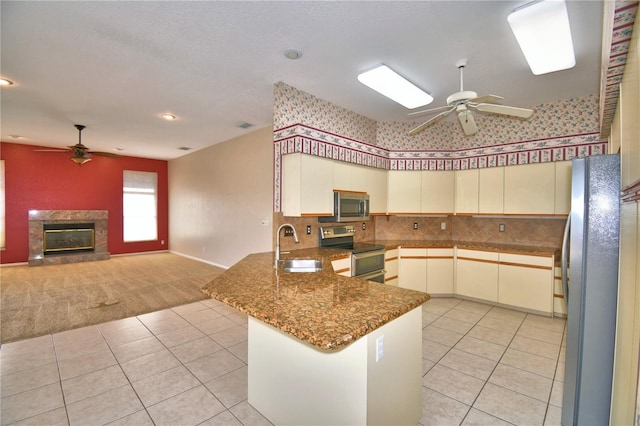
(367, 260)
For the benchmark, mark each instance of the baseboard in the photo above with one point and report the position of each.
(199, 259)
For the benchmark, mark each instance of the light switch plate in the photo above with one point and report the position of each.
(379, 348)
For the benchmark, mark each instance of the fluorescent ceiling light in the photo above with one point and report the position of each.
(543, 33)
(390, 84)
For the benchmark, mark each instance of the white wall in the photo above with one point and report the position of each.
(218, 198)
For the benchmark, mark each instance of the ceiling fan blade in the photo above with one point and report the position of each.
(428, 111)
(62, 150)
(504, 110)
(105, 154)
(467, 122)
(489, 99)
(430, 121)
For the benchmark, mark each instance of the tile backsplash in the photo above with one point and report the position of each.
(542, 232)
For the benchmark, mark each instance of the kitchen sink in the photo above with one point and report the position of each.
(301, 265)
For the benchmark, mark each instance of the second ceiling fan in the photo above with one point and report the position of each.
(463, 102)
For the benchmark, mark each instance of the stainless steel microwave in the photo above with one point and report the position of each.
(348, 207)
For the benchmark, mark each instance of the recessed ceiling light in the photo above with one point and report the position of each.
(16, 137)
(293, 54)
(543, 33)
(167, 116)
(387, 82)
(5, 82)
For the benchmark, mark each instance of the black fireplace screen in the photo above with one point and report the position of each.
(68, 238)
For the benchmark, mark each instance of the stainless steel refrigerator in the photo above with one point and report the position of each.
(593, 245)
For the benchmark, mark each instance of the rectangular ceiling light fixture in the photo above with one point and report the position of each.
(387, 82)
(543, 33)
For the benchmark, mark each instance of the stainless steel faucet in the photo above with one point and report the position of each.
(295, 237)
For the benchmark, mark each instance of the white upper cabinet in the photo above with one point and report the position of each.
(563, 187)
(403, 194)
(437, 192)
(467, 191)
(307, 185)
(529, 189)
(491, 190)
(377, 189)
(349, 177)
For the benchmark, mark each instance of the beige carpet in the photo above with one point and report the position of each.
(41, 300)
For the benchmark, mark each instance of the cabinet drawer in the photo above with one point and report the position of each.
(527, 260)
(342, 266)
(413, 252)
(477, 255)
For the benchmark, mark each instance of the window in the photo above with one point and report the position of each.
(139, 206)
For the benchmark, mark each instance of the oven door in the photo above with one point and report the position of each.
(367, 262)
(377, 276)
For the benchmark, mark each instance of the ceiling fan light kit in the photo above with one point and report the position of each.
(462, 102)
(387, 82)
(543, 33)
(81, 153)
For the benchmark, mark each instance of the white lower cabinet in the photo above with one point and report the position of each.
(342, 266)
(477, 274)
(559, 304)
(526, 281)
(391, 267)
(413, 268)
(440, 271)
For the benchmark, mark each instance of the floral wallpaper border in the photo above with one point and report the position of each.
(311, 141)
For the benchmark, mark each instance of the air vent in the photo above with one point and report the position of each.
(184, 148)
(245, 125)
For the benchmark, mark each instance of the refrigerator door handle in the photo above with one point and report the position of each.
(565, 260)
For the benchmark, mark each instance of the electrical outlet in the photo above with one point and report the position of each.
(308, 229)
(443, 225)
(364, 226)
(415, 225)
(379, 348)
(501, 227)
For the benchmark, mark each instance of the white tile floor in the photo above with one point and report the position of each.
(188, 366)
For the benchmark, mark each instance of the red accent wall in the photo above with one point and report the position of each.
(50, 181)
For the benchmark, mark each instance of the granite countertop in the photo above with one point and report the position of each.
(474, 245)
(323, 309)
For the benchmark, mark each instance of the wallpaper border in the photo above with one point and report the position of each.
(311, 141)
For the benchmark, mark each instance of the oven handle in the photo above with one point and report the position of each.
(368, 254)
(371, 274)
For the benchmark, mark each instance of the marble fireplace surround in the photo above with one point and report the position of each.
(37, 220)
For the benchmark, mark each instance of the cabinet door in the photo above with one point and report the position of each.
(391, 267)
(413, 269)
(437, 191)
(349, 177)
(526, 281)
(342, 266)
(377, 189)
(440, 271)
(529, 189)
(477, 274)
(559, 304)
(491, 190)
(466, 191)
(403, 194)
(307, 185)
(563, 187)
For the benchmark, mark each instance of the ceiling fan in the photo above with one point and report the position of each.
(81, 153)
(463, 102)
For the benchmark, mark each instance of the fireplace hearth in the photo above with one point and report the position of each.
(67, 236)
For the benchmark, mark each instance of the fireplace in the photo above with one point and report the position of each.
(67, 236)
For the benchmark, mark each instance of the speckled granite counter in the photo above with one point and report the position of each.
(323, 309)
(473, 245)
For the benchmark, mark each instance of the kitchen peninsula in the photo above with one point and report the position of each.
(327, 349)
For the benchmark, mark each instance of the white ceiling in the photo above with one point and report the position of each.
(115, 66)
